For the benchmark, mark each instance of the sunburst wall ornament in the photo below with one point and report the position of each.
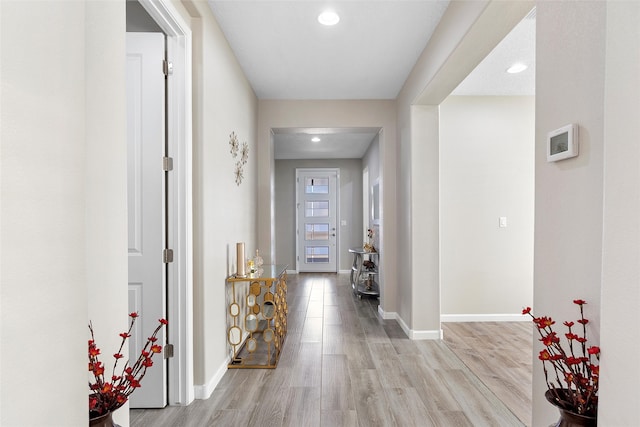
(238, 173)
(233, 143)
(244, 153)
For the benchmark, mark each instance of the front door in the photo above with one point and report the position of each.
(146, 206)
(317, 212)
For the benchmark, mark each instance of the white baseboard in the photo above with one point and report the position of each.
(426, 335)
(204, 391)
(412, 334)
(484, 318)
(339, 271)
(387, 315)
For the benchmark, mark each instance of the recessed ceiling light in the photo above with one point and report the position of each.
(516, 68)
(328, 17)
(315, 139)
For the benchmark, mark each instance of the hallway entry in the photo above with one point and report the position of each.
(316, 219)
(172, 164)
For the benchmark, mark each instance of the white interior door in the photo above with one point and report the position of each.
(317, 213)
(146, 205)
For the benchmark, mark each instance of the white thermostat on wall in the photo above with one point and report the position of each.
(562, 143)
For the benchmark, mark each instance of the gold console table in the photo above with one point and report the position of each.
(257, 317)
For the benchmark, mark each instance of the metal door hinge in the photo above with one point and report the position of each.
(168, 351)
(167, 256)
(167, 164)
(167, 67)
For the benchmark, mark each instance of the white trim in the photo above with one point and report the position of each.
(404, 326)
(412, 334)
(345, 272)
(484, 318)
(180, 297)
(204, 391)
(387, 315)
(292, 271)
(426, 335)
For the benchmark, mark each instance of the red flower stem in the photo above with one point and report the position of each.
(94, 359)
(138, 370)
(124, 339)
(584, 344)
(116, 394)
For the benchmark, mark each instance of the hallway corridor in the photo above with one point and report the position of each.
(342, 365)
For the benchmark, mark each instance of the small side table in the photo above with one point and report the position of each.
(364, 272)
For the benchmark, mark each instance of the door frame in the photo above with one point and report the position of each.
(180, 203)
(297, 201)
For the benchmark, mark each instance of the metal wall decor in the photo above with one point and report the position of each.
(233, 142)
(244, 155)
(238, 173)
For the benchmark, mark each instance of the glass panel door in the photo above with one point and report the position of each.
(316, 219)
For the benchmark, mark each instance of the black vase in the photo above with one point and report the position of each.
(104, 420)
(568, 418)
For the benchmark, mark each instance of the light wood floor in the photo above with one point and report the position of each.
(499, 354)
(342, 365)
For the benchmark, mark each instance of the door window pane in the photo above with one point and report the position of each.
(317, 254)
(316, 185)
(318, 208)
(316, 232)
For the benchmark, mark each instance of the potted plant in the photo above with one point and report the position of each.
(571, 370)
(109, 393)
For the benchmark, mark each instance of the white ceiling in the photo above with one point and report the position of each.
(490, 76)
(286, 54)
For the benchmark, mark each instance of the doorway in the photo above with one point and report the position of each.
(146, 204)
(316, 219)
(179, 206)
(486, 155)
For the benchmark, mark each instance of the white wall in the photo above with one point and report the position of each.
(106, 182)
(63, 222)
(224, 213)
(620, 322)
(570, 71)
(350, 207)
(486, 172)
(424, 252)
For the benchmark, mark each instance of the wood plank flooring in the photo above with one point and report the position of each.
(342, 365)
(499, 354)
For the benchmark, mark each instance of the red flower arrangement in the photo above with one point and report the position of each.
(575, 386)
(108, 395)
